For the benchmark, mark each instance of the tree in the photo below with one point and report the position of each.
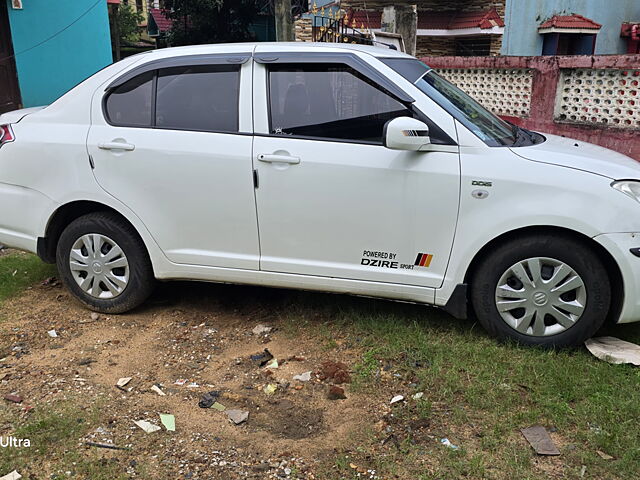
(210, 21)
(128, 20)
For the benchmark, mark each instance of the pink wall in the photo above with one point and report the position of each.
(546, 73)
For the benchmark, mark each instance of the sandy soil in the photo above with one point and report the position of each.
(201, 333)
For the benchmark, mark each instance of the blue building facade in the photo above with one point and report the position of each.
(524, 17)
(57, 44)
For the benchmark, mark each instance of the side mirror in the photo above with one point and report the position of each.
(406, 133)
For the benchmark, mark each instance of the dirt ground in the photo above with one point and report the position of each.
(203, 334)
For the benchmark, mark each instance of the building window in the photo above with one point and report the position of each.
(473, 46)
(569, 44)
(569, 35)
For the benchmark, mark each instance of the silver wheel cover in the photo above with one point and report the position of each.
(99, 266)
(540, 296)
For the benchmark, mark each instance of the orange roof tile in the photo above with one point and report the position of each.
(164, 24)
(570, 21)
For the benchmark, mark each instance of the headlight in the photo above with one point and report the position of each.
(628, 187)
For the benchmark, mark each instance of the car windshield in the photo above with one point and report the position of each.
(487, 126)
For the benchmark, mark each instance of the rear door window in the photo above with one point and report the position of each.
(203, 97)
(198, 97)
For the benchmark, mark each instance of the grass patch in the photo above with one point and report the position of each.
(54, 434)
(18, 270)
(473, 383)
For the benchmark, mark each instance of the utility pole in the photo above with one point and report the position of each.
(402, 19)
(284, 21)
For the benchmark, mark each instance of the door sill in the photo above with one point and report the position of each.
(393, 291)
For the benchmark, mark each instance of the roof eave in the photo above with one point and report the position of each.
(592, 31)
(458, 32)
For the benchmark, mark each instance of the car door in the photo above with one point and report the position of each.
(332, 200)
(172, 140)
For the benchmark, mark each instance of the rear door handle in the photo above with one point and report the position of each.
(116, 146)
(278, 159)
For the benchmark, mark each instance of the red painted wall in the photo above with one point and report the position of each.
(546, 73)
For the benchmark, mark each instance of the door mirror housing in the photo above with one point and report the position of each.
(406, 133)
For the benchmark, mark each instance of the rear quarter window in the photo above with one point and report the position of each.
(130, 104)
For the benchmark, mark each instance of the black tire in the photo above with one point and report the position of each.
(572, 252)
(141, 279)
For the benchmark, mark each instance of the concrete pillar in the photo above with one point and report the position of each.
(284, 21)
(402, 19)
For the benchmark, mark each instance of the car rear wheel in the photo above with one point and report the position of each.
(550, 291)
(104, 263)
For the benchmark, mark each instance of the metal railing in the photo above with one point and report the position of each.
(337, 30)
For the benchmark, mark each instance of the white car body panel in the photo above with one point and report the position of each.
(17, 115)
(389, 187)
(579, 155)
(206, 214)
(307, 225)
(540, 195)
(372, 198)
(618, 245)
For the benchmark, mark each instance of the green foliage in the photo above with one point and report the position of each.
(365, 370)
(128, 20)
(210, 21)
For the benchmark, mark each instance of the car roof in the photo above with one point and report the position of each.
(264, 47)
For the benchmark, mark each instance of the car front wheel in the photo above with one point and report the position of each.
(550, 291)
(104, 263)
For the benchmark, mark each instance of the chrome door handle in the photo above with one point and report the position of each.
(116, 146)
(279, 159)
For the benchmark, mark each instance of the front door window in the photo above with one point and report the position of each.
(329, 102)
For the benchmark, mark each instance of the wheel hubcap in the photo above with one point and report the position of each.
(540, 296)
(99, 266)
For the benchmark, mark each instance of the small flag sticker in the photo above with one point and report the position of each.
(423, 260)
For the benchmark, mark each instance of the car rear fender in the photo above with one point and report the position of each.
(16, 115)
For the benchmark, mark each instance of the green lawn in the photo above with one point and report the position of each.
(473, 383)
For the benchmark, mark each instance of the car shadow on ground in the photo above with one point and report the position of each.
(320, 307)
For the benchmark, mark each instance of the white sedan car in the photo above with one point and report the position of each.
(327, 167)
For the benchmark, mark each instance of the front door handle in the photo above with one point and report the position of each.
(116, 146)
(279, 159)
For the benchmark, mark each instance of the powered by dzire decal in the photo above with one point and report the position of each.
(380, 259)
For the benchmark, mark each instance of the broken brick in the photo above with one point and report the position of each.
(336, 393)
(13, 398)
(336, 372)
